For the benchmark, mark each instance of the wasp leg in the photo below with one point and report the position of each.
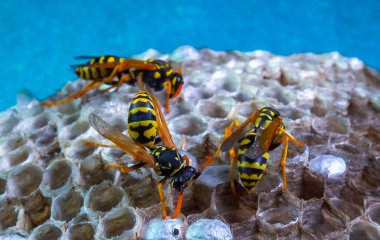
(168, 85)
(93, 85)
(162, 197)
(283, 162)
(122, 80)
(292, 138)
(124, 168)
(208, 162)
(179, 206)
(187, 160)
(232, 175)
(227, 132)
(94, 144)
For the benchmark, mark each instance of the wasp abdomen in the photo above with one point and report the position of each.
(142, 123)
(251, 170)
(86, 71)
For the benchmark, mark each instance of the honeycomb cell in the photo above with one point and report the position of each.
(8, 217)
(74, 130)
(8, 121)
(119, 222)
(278, 212)
(3, 184)
(332, 123)
(37, 209)
(364, 231)
(228, 206)
(67, 206)
(170, 229)
(78, 150)
(92, 171)
(56, 176)
(44, 136)
(81, 231)
(223, 80)
(17, 156)
(23, 180)
(39, 122)
(185, 53)
(374, 213)
(217, 107)
(322, 220)
(328, 165)
(143, 193)
(189, 125)
(14, 141)
(68, 119)
(27, 105)
(103, 197)
(46, 232)
(305, 184)
(216, 230)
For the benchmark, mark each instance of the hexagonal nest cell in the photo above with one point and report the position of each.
(54, 184)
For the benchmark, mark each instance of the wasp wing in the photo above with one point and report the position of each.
(84, 57)
(263, 140)
(124, 65)
(239, 133)
(163, 129)
(134, 149)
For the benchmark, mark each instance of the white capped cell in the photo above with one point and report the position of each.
(328, 165)
(216, 230)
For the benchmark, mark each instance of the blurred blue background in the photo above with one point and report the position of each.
(40, 38)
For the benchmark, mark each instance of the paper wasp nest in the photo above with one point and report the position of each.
(54, 186)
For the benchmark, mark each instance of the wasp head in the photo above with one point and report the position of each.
(177, 83)
(184, 178)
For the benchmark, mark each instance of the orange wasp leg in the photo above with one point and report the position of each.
(227, 132)
(232, 174)
(187, 160)
(80, 93)
(292, 138)
(285, 152)
(94, 144)
(162, 197)
(178, 208)
(168, 85)
(283, 162)
(208, 162)
(124, 168)
(122, 80)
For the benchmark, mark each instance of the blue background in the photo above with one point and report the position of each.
(40, 38)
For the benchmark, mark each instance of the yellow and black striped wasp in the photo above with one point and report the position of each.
(116, 71)
(262, 132)
(145, 119)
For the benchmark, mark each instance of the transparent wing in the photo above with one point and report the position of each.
(137, 151)
(239, 133)
(162, 126)
(128, 64)
(85, 57)
(263, 140)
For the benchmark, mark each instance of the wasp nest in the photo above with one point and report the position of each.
(53, 185)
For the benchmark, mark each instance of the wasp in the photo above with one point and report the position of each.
(146, 124)
(116, 71)
(261, 132)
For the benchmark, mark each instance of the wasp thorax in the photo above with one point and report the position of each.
(184, 178)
